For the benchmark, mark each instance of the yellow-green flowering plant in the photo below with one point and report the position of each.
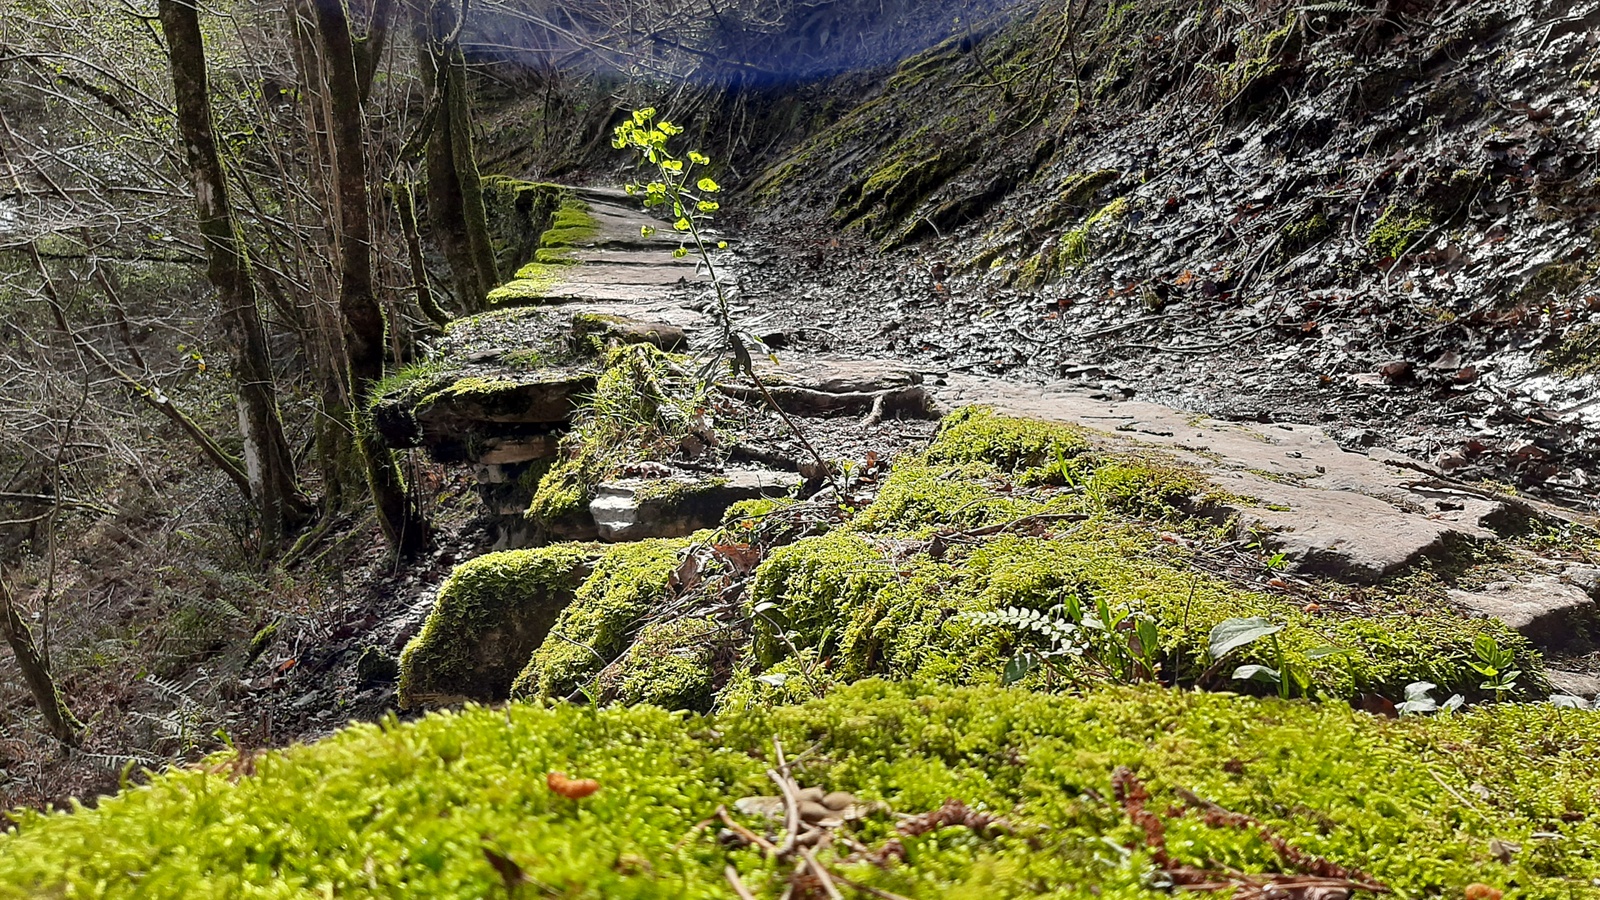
(673, 184)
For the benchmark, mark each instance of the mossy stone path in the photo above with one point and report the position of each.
(1328, 513)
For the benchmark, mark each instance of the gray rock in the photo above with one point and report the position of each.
(633, 509)
(1548, 611)
(1574, 684)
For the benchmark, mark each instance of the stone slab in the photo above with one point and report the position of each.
(633, 509)
(1552, 611)
(1335, 513)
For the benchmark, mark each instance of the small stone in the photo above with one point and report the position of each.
(812, 811)
(839, 800)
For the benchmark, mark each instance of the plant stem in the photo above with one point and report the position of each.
(725, 322)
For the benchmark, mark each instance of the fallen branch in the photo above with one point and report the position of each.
(50, 500)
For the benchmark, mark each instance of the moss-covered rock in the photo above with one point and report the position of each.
(520, 212)
(491, 614)
(605, 612)
(895, 592)
(979, 434)
(438, 807)
(672, 665)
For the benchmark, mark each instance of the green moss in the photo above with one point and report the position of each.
(1074, 195)
(919, 497)
(673, 493)
(519, 213)
(978, 434)
(1259, 57)
(893, 190)
(492, 612)
(1151, 488)
(1396, 230)
(1081, 244)
(672, 665)
(1303, 234)
(408, 810)
(754, 510)
(902, 616)
(533, 284)
(572, 225)
(408, 382)
(563, 490)
(640, 410)
(1579, 354)
(606, 610)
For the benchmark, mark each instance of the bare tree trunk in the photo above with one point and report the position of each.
(364, 326)
(405, 207)
(268, 460)
(60, 721)
(455, 193)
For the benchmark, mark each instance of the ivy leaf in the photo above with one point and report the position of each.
(681, 224)
(707, 185)
(698, 158)
(708, 206)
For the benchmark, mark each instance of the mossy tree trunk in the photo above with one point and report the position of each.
(268, 460)
(58, 719)
(460, 224)
(362, 318)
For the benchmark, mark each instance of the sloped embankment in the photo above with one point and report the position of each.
(1280, 210)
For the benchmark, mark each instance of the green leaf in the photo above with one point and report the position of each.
(698, 158)
(1231, 634)
(722, 245)
(708, 206)
(708, 185)
(1257, 673)
(680, 253)
(646, 231)
(1017, 668)
(681, 224)
(1148, 637)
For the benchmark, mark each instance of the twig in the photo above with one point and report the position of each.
(823, 877)
(791, 803)
(732, 875)
(766, 846)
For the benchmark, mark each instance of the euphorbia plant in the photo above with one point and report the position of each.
(673, 185)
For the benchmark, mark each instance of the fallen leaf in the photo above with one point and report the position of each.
(571, 788)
